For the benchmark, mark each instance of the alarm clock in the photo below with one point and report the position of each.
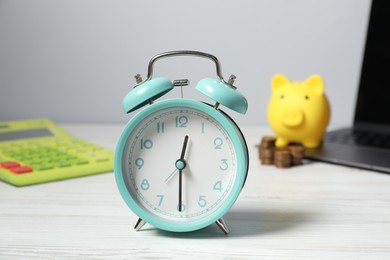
(180, 164)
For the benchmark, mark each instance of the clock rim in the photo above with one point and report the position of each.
(239, 145)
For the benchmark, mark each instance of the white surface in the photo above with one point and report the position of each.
(315, 211)
(74, 61)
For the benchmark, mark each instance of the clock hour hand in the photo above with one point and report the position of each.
(183, 150)
(180, 163)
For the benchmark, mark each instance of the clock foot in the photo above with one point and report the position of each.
(140, 223)
(222, 225)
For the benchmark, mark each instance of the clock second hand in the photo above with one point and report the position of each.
(171, 176)
(182, 166)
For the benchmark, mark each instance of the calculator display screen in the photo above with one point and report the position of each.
(24, 134)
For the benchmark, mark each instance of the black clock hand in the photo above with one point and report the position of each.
(183, 151)
(180, 189)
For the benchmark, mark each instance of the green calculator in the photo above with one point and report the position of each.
(38, 150)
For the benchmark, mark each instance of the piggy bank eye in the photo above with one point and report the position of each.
(281, 96)
(307, 97)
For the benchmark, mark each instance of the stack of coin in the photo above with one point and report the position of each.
(297, 152)
(266, 150)
(267, 142)
(286, 157)
(282, 158)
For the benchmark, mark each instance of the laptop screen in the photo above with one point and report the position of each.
(373, 103)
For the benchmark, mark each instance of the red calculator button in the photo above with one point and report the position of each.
(21, 169)
(9, 165)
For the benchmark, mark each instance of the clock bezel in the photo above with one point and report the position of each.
(239, 145)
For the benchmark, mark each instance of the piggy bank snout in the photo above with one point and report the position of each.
(292, 117)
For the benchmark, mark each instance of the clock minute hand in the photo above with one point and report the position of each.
(182, 166)
(180, 188)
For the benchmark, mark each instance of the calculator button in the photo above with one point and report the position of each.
(63, 164)
(9, 165)
(42, 167)
(21, 169)
(102, 159)
(81, 161)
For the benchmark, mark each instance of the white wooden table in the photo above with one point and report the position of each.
(314, 211)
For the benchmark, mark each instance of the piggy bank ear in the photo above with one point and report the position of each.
(316, 83)
(277, 81)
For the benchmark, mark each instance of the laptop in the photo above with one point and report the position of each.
(367, 143)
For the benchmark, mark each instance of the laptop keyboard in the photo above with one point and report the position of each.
(349, 136)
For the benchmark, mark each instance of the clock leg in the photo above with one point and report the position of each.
(140, 223)
(222, 225)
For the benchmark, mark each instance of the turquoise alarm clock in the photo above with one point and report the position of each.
(180, 164)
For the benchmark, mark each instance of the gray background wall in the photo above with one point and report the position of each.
(73, 61)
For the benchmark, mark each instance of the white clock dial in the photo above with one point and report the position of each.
(151, 164)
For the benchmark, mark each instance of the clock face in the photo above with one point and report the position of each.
(180, 164)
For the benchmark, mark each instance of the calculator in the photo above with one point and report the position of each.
(38, 150)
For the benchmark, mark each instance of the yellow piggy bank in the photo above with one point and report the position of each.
(298, 111)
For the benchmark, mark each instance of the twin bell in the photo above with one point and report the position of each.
(150, 89)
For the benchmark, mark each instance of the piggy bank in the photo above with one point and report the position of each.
(298, 111)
